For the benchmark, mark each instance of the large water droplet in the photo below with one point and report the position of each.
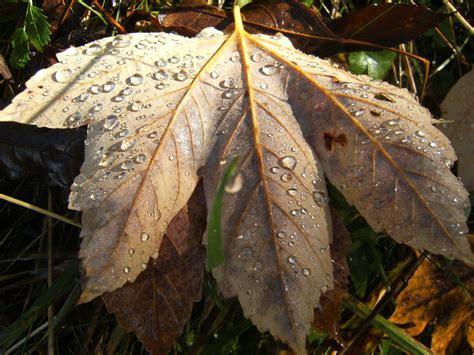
(161, 75)
(235, 185)
(111, 123)
(288, 162)
(95, 89)
(62, 75)
(292, 192)
(127, 143)
(182, 75)
(320, 198)
(135, 79)
(120, 42)
(141, 158)
(269, 69)
(108, 86)
(94, 49)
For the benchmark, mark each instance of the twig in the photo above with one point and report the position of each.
(459, 17)
(109, 18)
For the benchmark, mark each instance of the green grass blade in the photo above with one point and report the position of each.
(215, 251)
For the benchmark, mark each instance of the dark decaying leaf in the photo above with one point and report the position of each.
(327, 315)
(291, 17)
(28, 151)
(386, 24)
(438, 296)
(158, 304)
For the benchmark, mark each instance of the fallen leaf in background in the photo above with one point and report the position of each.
(158, 304)
(458, 109)
(53, 156)
(433, 296)
(327, 315)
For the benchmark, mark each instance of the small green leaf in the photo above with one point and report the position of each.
(374, 64)
(21, 49)
(307, 2)
(242, 3)
(37, 27)
(215, 251)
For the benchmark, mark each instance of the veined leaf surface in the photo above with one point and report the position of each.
(163, 109)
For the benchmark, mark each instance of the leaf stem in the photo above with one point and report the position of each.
(239, 26)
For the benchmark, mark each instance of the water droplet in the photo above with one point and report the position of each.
(322, 250)
(120, 42)
(126, 269)
(281, 234)
(269, 69)
(229, 83)
(288, 162)
(264, 86)
(94, 49)
(127, 91)
(74, 118)
(161, 75)
(143, 266)
(292, 260)
(140, 158)
(256, 57)
(111, 123)
(286, 177)
(182, 75)
(135, 106)
(214, 74)
(295, 212)
(275, 170)
(127, 143)
(433, 145)
(161, 63)
(62, 75)
(306, 272)
(292, 192)
(420, 133)
(246, 254)
(126, 165)
(320, 198)
(257, 267)
(144, 237)
(108, 86)
(95, 89)
(171, 157)
(131, 251)
(434, 188)
(135, 79)
(174, 60)
(231, 94)
(235, 185)
(96, 108)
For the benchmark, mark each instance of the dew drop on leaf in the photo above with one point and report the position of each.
(288, 162)
(135, 79)
(144, 237)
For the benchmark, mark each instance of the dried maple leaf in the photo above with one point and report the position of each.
(162, 109)
(458, 110)
(433, 295)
